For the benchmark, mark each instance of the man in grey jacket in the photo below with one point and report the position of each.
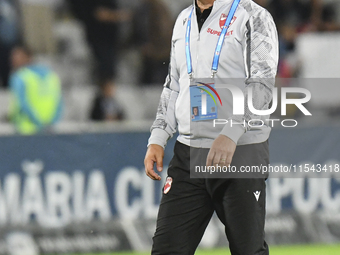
(214, 40)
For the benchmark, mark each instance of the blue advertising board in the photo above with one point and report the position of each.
(82, 181)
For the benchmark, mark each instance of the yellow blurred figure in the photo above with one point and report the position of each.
(36, 98)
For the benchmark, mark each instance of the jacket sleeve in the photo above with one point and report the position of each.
(165, 124)
(261, 60)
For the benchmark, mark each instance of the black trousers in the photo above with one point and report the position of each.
(188, 206)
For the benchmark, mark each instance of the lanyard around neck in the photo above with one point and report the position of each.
(219, 43)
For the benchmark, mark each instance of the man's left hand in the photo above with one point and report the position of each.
(221, 152)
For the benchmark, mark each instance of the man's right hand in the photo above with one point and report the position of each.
(154, 154)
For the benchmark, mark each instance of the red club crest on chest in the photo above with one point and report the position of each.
(224, 18)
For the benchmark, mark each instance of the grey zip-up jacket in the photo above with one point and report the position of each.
(249, 53)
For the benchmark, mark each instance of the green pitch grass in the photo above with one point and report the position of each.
(274, 250)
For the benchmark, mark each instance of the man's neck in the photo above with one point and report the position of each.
(205, 4)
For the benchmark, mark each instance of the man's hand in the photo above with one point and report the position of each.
(154, 154)
(221, 152)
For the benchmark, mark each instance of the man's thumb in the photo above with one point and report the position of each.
(159, 163)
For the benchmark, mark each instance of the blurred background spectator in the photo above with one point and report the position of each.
(152, 26)
(105, 107)
(101, 19)
(36, 101)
